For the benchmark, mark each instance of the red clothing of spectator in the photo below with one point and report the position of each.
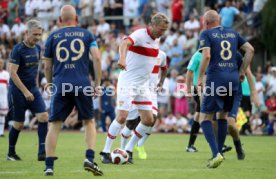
(177, 11)
(271, 104)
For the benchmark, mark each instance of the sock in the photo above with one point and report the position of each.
(125, 134)
(113, 131)
(144, 138)
(13, 136)
(237, 144)
(210, 136)
(194, 132)
(2, 124)
(49, 162)
(42, 132)
(222, 132)
(139, 132)
(90, 155)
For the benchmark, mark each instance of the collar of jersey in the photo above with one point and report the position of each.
(148, 31)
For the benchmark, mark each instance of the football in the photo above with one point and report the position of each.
(119, 156)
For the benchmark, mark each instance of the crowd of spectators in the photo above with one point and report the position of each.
(111, 20)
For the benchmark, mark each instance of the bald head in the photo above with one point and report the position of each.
(68, 13)
(211, 19)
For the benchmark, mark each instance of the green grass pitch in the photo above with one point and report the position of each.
(167, 158)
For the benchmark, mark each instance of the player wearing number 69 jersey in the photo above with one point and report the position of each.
(67, 50)
(219, 48)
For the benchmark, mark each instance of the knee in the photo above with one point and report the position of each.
(43, 117)
(121, 118)
(18, 125)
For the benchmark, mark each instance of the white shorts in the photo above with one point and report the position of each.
(134, 113)
(4, 108)
(139, 97)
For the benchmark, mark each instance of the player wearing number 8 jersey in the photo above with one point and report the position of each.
(219, 48)
(67, 50)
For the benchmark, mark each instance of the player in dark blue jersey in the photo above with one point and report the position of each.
(219, 47)
(23, 90)
(67, 53)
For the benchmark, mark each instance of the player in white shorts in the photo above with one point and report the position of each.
(138, 55)
(133, 117)
(4, 80)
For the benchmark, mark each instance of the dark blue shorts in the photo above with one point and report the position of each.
(236, 104)
(18, 104)
(62, 105)
(215, 103)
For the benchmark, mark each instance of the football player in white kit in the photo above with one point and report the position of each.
(133, 118)
(138, 54)
(4, 80)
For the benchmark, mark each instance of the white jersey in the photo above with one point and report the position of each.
(4, 80)
(140, 59)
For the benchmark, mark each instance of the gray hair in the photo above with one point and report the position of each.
(159, 18)
(33, 24)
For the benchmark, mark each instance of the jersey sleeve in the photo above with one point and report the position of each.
(194, 62)
(92, 41)
(134, 36)
(204, 41)
(48, 53)
(241, 41)
(15, 56)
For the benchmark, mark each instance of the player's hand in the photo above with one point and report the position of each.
(242, 75)
(29, 96)
(122, 65)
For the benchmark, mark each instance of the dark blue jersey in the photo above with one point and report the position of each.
(224, 44)
(69, 47)
(28, 59)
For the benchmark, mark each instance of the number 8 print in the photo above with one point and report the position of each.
(227, 49)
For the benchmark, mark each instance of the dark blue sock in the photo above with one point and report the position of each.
(49, 162)
(210, 136)
(222, 132)
(237, 144)
(90, 155)
(42, 132)
(13, 136)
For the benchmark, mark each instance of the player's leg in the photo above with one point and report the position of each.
(123, 106)
(131, 122)
(17, 108)
(38, 107)
(193, 135)
(143, 127)
(3, 112)
(61, 107)
(221, 129)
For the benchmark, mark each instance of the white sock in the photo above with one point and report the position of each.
(139, 132)
(2, 124)
(113, 131)
(144, 138)
(125, 134)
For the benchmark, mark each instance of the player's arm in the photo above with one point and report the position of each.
(96, 56)
(123, 52)
(48, 67)
(189, 81)
(206, 56)
(251, 82)
(164, 71)
(248, 56)
(13, 68)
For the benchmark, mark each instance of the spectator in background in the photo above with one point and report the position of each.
(228, 14)
(21, 9)
(18, 30)
(56, 4)
(192, 25)
(191, 43)
(98, 8)
(271, 84)
(168, 124)
(175, 53)
(162, 6)
(130, 11)
(260, 90)
(256, 124)
(86, 12)
(180, 102)
(271, 106)
(12, 12)
(103, 27)
(182, 124)
(5, 33)
(177, 9)
(117, 10)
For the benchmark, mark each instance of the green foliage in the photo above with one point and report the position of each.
(268, 35)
